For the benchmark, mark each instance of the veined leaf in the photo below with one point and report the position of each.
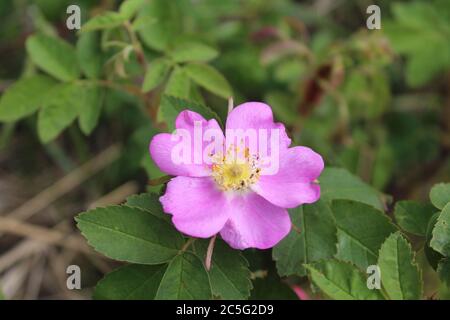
(89, 106)
(54, 56)
(433, 257)
(413, 216)
(178, 84)
(192, 51)
(184, 279)
(130, 234)
(209, 78)
(400, 275)
(172, 106)
(362, 230)
(148, 202)
(229, 273)
(24, 97)
(60, 109)
(131, 282)
(338, 183)
(89, 54)
(440, 195)
(341, 281)
(441, 232)
(156, 73)
(315, 240)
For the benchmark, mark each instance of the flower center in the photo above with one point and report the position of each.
(235, 174)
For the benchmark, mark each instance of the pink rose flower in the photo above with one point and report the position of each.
(238, 197)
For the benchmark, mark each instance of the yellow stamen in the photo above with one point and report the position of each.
(235, 174)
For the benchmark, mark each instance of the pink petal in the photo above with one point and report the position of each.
(197, 206)
(293, 184)
(255, 223)
(162, 145)
(256, 115)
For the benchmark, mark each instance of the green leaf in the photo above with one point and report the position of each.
(338, 183)
(54, 56)
(148, 202)
(362, 230)
(131, 282)
(433, 257)
(24, 97)
(129, 8)
(341, 281)
(417, 23)
(89, 54)
(271, 288)
(229, 273)
(59, 110)
(172, 106)
(444, 271)
(192, 51)
(106, 20)
(209, 78)
(440, 195)
(178, 84)
(90, 105)
(315, 240)
(156, 73)
(400, 275)
(185, 279)
(413, 216)
(130, 234)
(159, 23)
(441, 232)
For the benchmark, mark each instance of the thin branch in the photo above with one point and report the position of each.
(45, 235)
(136, 45)
(209, 253)
(117, 195)
(65, 184)
(230, 104)
(160, 180)
(187, 244)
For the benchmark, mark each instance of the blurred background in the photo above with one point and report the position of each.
(376, 102)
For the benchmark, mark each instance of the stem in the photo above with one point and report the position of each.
(296, 229)
(6, 134)
(136, 45)
(130, 89)
(79, 144)
(209, 253)
(230, 104)
(187, 244)
(58, 155)
(160, 180)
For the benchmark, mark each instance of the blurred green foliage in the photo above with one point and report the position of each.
(375, 102)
